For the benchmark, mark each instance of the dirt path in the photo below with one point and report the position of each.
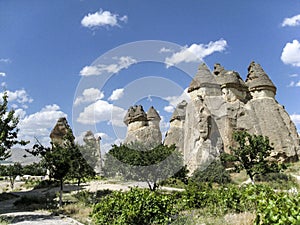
(38, 218)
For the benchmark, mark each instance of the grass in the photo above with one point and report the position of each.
(77, 211)
(199, 217)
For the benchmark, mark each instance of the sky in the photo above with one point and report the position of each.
(90, 60)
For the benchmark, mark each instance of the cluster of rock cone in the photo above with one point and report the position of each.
(221, 102)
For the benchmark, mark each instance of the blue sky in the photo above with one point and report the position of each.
(88, 60)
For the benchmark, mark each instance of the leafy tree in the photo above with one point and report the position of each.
(251, 153)
(79, 168)
(34, 169)
(215, 172)
(56, 159)
(12, 171)
(8, 129)
(134, 162)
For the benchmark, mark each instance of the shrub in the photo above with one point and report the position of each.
(90, 198)
(138, 206)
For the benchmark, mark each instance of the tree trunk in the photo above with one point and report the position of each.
(60, 192)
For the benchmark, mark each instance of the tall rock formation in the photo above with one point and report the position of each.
(143, 128)
(221, 102)
(60, 130)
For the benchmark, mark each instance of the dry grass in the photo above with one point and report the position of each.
(78, 212)
(245, 218)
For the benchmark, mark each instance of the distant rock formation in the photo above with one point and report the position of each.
(91, 151)
(221, 102)
(143, 127)
(60, 130)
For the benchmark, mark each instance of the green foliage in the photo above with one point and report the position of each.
(214, 173)
(91, 198)
(34, 169)
(151, 166)
(251, 153)
(8, 129)
(280, 208)
(137, 206)
(12, 171)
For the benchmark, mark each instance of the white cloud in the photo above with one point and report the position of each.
(291, 53)
(165, 50)
(123, 63)
(39, 124)
(19, 96)
(174, 100)
(102, 111)
(169, 108)
(293, 21)
(89, 95)
(102, 18)
(294, 84)
(294, 75)
(296, 118)
(2, 74)
(116, 94)
(196, 52)
(5, 60)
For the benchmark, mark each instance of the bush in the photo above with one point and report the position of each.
(47, 184)
(215, 173)
(138, 206)
(91, 198)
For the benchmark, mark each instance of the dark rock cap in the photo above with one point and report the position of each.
(152, 114)
(203, 78)
(257, 79)
(179, 112)
(135, 113)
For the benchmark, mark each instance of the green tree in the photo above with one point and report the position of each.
(34, 169)
(151, 166)
(251, 153)
(12, 171)
(8, 129)
(79, 167)
(56, 159)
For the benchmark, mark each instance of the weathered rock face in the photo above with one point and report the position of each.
(143, 128)
(60, 130)
(175, 134)
(91, 151)
(221, 102)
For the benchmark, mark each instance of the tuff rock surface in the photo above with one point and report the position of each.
(142, 127)
(221, 102)
(60, 130)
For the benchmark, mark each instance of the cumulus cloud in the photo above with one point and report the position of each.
(123, 63)
(196, 52)
(102, 19)
(2, 74)
(169, 108)
(116, 94)
(174, 100)
(296, 118)
(39, 124)
(291, 53)
(89, 95)
(102, 111)
(291, 22)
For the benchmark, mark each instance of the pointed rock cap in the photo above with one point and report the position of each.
(203, 78)
(179, 112)
(152, 114)
(135, 113)
(257, 79)
(60, 129)
(232, 79)
(89, 136)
